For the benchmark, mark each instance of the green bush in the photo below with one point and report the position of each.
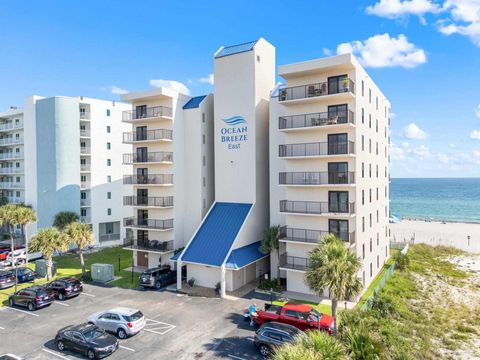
(401, 261)
(270, 284)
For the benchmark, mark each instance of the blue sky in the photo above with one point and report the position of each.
(423, 54)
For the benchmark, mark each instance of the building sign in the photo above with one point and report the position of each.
(235, 133)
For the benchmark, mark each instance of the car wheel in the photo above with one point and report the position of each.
(264, 350)
(60, 345)
(121, 334)
(61, 296)
(158, 285)
(31, 306)
(11, 302)
(91, 354)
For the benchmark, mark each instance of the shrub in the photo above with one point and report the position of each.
(401, 260)
(269, 284)
(382, 306)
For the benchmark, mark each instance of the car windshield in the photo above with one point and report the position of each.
(93, 334)
(134, 317)
(314, 315)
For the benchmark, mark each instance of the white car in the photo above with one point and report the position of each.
(20, 256)
(121, 321)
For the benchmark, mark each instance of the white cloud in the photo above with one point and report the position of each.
(477, 111)
(475, 135)
(452, 146)
(464, 19)
(117, 90)
(412, 131)
(207, 80)
(422, 151)
(397, 153)
(385, 51)
(397, 9)
(170, 84)
(443, 158)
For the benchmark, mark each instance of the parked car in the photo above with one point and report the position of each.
(273, 334)
(7, 279)
(65, 287)
(302, 316)
(157, 277)
(5, 251)
(20, 256)
(86, 339)
(32, 297)
(25, 274)
(10, 357)
(121, 321)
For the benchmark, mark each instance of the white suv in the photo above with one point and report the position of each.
(121, 321)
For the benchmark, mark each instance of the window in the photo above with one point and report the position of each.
(109, 162)
(378, 238)
(377, 217)
(203, 117)
(363, 170)
(337, 144)
(83, 212)
(376, 166)
(371, 245)
(371, 271)
(108, 112)
(371, 221)
(363, 88)
(83, 195)
(363, 116)
(108, 129)
(377, 193)
(109, 178)
(339, 228)
(338, 173)
(370, 96)
(370, 170)
(363, 142)
(17, 194)
(376, 125)
(338, 201)
(204, 203)
(363, 197)
(109, 146)
(363, 223)
(204, 182)
(109, 194)
(17, 179)
(109, 211)
(203, 139)
(363, 251)
(204, 161)
(376, 102)
(370, 146)
(370, 121)
(363, 278)
(17, 164)
(378, 262)
(83, 178)
(370, 191)
(292, 313)
(376, 148)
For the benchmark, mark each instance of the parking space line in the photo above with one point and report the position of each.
(250, 338)
(2, 328)
(158, 327)
(22, 311)
(60, 303)
(90, 295)
(54, 353)
(126, 348)
(236, 357)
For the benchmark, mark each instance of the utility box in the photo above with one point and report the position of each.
(41, 268)
(102, 272)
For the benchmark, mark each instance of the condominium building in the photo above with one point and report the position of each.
(170, 171)
(66, 156)
(329, 165)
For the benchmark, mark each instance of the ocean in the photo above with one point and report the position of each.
(439, 199)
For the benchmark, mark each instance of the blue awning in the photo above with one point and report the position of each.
(194, 102)
(214, 239)
(245, 255)
(175, 257)
(235, 49)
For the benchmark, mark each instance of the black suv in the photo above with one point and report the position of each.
(273, 334)
(32, 297)
(7, 279)
(65, 287)
(157, 277)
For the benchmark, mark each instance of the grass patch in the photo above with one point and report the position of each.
(321, 308)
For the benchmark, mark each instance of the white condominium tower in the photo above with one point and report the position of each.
(329, 165)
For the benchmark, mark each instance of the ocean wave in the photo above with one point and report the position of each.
(235, 120)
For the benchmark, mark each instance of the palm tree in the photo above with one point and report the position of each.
(270, 241)
(10, 216)
(26, 216)
(63, 218)
(334, 267)
(81, 235)
(49, 241)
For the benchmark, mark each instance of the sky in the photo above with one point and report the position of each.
(423, 54)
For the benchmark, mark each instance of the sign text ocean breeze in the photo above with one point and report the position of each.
(234, 136)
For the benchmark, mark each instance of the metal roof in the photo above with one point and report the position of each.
(235, 49)
(194, 102)
(215, 236)
(245, 255)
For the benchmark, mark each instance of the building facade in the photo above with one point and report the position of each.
(170, 176)
(329, 165)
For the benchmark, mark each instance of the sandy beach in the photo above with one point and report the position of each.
(465, 236)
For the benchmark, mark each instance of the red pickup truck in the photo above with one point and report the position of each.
(302, 316)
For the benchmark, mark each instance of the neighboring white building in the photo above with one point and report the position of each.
(70, 159)
(329, 165)
(170, 172)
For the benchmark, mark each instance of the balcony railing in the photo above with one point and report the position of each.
(85, 202)
(84, 150)
(10, 141)
(84, 184)
(148, 223)
(151, 179)
(317, 178)
(145, 113)
(153, 201)
(15, 200)
(153, 245)
(316, 119)
(315, 90)
(160, 134)
(315, 207)
(109, 237)
(11, 170)
(316, 149)
(85, 219)
(11, 126)
(160, 156)
(85, 167)
(313, 236)
(85, 115)
(11, 155)
(293, 262)
(85, 132)
(11, 185)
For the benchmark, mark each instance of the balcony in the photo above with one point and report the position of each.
(296, 122)
(312, 236)
(317, 178)
(313, 91)
(148, 201)
(109, 237)
(11, 170)
(293, 262)
(153, 224)
(153, 179)
(147, 113)
(316, 207)
(160, 157)
(316, 149)
(11, 141)
(85, 150)
(11, 185)
(151, 245)
(84, 184)
(11, 126)
(85, 203)
(84, 133)
(85, 219)
(84, 115)
(85, 167)
(14, 200)
(11, 155)
(149, 135)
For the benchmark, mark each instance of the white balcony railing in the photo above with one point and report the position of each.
(11, 170)
(11, 155)
(11, 141)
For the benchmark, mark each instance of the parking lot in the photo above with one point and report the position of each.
(178, 326)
